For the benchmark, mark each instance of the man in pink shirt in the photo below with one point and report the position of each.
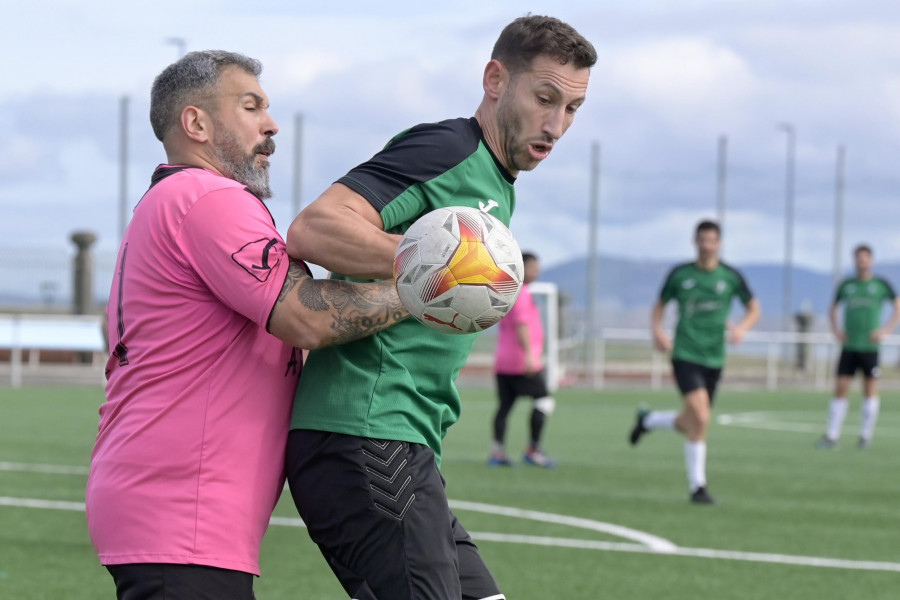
(519, 370)
(207, 318)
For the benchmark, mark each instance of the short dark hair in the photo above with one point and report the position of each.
(531, 36)
(527, 256)
(707, 225)
(191, 80)
(862, 248)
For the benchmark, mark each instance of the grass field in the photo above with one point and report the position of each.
(780, 502)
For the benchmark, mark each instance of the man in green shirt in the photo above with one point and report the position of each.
(369, 419)
(863, 297)
(704, 290)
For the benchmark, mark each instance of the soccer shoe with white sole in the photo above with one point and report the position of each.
(638, 430)
(538, 459)
(701, 496)
(826, 443)
(499, 459)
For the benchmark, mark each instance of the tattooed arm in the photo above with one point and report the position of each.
(311, 313)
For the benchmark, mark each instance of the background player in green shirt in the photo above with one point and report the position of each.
(703, 290)
(369, 419)
(863, 297)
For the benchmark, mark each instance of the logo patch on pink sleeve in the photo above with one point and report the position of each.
(254, 258)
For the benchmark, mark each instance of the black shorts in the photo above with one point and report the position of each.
(510, 387)
(852, 361)
(691, 377)
(159, 581)
(378, 512)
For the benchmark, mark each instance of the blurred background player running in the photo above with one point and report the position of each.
(704, 290)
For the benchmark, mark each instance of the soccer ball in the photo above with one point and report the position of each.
(458, 270)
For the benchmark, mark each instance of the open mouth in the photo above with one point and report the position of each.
(540, 150)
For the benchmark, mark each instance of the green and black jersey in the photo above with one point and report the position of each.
(704, 301)
(399, 384)
(863, 301)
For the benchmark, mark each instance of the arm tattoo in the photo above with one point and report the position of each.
(357, 309)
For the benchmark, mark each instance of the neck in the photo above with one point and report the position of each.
(864, 275)
(708, 263)
(193, 157)
(487, 120)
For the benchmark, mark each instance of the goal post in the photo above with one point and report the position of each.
(546, 298)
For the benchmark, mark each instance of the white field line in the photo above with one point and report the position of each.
(37, 468)
(651, 541)
(775, 421)
(757, 557)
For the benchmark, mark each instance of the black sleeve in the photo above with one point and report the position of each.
(414, 156)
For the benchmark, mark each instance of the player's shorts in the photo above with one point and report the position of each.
(691, 376)
(510, 387)
(852, 361)
(378, 511)
(154, 581)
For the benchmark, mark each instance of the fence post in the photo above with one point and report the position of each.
(655, 375)
(772, 367)
(598, 368)
(16, 353)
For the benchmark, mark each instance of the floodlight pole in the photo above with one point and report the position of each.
(298, 161)
(179, 43)
(722, 181)
(593, 267)
(788, 221)
(123, 165)
(839, 214)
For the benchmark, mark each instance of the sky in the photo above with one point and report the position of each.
(672, 78)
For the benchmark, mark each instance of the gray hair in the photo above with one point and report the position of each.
(191, 80)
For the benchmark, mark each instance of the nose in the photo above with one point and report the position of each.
(555, 124)
(269, 126)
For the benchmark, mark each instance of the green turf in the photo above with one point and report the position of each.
(777, 494)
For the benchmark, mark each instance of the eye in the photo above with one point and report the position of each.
(571, 109)
(250, 108)
(544, 100)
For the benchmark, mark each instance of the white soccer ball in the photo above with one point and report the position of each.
(458, 270)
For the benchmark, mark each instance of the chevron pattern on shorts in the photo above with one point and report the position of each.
(386, 464)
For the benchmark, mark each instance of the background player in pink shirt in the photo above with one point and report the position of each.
(519, 367)
(207, 317)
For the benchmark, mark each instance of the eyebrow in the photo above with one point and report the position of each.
(259, 99)
(559, 92)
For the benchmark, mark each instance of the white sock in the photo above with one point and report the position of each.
(869, 414)
(660, 419)
(695, 464)
(836, 413)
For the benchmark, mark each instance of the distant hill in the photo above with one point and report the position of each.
(629, 287)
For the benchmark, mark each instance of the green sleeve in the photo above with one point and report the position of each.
(669, 288)
(743, 290)
(839, 294)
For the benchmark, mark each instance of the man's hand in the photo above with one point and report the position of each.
(736, 334)
(840, 335)
(529, 363)
(661, 341)
(877, 335)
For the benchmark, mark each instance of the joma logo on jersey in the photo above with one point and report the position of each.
(720, 286)
(688, 284)
(486, 208)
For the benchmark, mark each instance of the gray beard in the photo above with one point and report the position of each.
(239, 166)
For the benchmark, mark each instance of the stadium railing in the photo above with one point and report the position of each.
(76, 334)
(765, 359)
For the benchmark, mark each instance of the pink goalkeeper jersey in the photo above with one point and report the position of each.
(189, 458)
(510, 358)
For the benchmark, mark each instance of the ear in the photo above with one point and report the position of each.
(495, 80)
(196, 124)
